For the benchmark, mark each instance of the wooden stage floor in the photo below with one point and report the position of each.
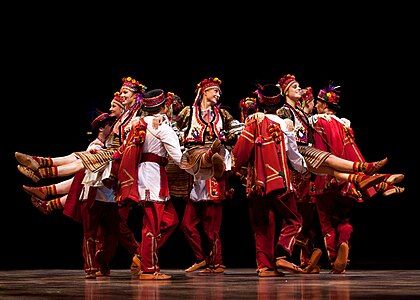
(234, 284)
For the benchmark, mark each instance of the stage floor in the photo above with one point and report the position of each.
(234, 284)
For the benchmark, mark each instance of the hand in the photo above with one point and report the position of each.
(289, 124)
(306, 175)
(157, 120)
(109, 183)
(325, 117)
(229, 193)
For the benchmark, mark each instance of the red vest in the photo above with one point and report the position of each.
(333, 136)
(126, 161)
(261, 145)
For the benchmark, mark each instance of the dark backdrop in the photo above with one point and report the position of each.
(54, 84)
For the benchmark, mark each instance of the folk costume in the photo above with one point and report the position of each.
(208, 131)
(267, 148)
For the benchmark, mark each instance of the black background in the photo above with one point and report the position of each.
(55, 80)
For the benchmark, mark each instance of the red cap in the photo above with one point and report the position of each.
(153, 98)
(307, 94)
(285, 82)
(101, 120)
(117, 100)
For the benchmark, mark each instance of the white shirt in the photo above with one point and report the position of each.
(162, 141)
(199, 191)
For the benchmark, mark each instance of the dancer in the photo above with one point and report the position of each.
(208, 131)
(147, 147)
(267, 148)
(62, 188)
(321, 162)
(37, 167)
(335, 200)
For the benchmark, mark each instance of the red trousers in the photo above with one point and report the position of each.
(209, 215)
(95, 215)
(334, 216)
(263, 224)
(159, 222)
(285, 206)
(262, 214)
(309, 232)
(126, 236)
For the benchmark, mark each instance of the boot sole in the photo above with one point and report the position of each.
(154, 277)
(371, 181)
(33, 193)
(196, 267)
(395, 190)
(27, 162)
(395, 178)
(291, 267)
(342, 257)
(315, 257)
(28, 173)
(380, 165)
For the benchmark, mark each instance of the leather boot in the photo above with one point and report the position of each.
(135, 267)
(392, 190)
(369, 168)
(42, 192)
(394, 178)
(34, 175)
(266, 272)
(364, 181)
(218, 166)
(154, 276)
(27, 161)
(40, 205)
(281, 262)
(313, 261)
(33, 162)
(196, 266)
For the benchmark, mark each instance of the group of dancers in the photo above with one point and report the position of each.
(301, 170)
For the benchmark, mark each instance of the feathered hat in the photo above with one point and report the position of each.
(330, 95)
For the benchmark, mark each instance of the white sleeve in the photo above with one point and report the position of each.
(346, 122)
(94, 146)
(171, 142)
(296, 159)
